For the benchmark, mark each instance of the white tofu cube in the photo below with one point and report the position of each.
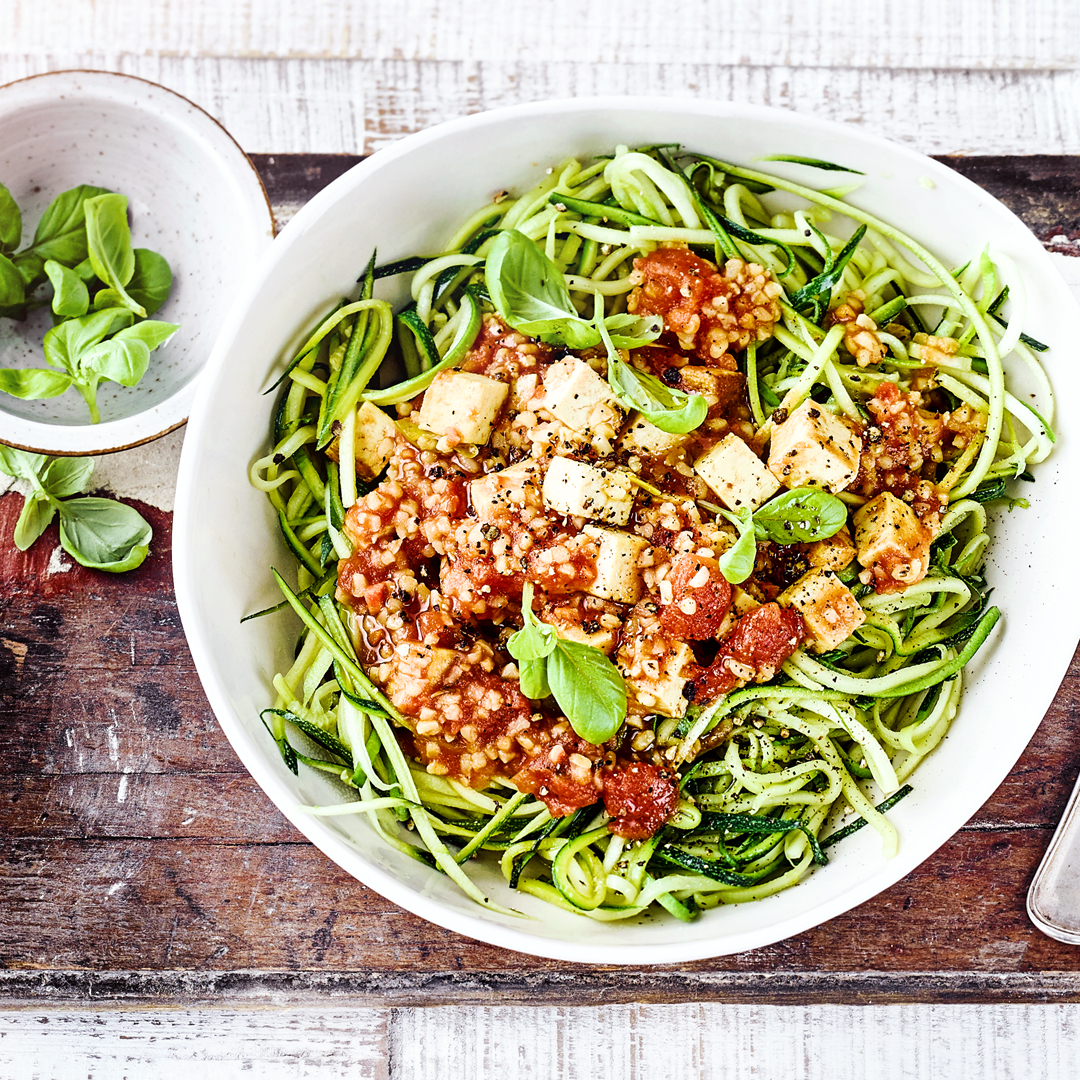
(580, 398)
(512, 493)
(617, 574)
(814, 448)
(462, 406)
(828, 608)
(413, 668)
(742, 603)
(647, 440)
(655, 667)
(835, 553)
(736, 474)
(373, 442)
(891, 541)
(568, 623)
(579, 490)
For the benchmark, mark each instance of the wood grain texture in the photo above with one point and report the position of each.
(920, 34)
(184, 1045)
(131, 839)
(297, 105)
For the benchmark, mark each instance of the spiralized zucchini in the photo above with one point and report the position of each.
(770, 775)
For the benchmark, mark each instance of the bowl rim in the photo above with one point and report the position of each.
(258, 762)
(39, 432)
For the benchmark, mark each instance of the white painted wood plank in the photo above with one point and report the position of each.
(192, 1044)
(356, 106)
(813, 1042)
(926, 34)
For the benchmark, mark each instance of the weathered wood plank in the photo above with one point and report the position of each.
(1021, 35)
(172, 903)
(357, 106)
(178, 1044)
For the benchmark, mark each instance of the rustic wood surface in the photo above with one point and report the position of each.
(132, 839)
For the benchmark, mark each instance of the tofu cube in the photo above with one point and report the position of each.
(580, 398)
(814, 448)
(891, 541)
(736, 474)
(499, 496)
(617, 574)
(579, 490)
(462, 407)
(647, 440)
(656, 668)
(742, 603)
(373, 443)
(567, 621)
(828, 608)
(415, 668)
(835, 553)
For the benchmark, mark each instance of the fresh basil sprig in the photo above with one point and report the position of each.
(586, 685)
(799, 516)
(737, 563)
(673, 411)
(101, 284)
(529, 292)
(99, 533)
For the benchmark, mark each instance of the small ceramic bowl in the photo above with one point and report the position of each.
(193, 196)
(409, 199)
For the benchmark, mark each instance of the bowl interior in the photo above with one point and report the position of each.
(408, 200)
(192, 196)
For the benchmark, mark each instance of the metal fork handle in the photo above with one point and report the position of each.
(1054, 897)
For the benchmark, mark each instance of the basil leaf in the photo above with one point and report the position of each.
(737, 563)
(800, 516)
(85, 272)
(10, 221)
(673, 411)
(633, 331)
(12, 285)
(125, 356)
(65, 343)
(151, 332)
(33, 384)
(61, 232)
(152, 281)
(532, 674)
(20, 464)
(529, 292)
(108, 238)
(535, 640)
(589, 690)
(36, 514)
(67, 476)
(104, 534)
(121, 359)
(71, 298)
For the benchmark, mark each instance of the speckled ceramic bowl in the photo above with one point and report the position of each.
(193, 196)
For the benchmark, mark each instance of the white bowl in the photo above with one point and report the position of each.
(407, 200)
(193, 196)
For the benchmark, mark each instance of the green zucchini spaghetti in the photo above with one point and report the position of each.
(642, 550)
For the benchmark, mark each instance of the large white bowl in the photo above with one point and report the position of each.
(193, 196)
(408, 199)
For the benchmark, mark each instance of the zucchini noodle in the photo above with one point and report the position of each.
(772, 773)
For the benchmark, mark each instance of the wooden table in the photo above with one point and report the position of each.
(139, 859)
(156, 908)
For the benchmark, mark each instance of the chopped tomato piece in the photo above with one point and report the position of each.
(701, 597)
(640, 797)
